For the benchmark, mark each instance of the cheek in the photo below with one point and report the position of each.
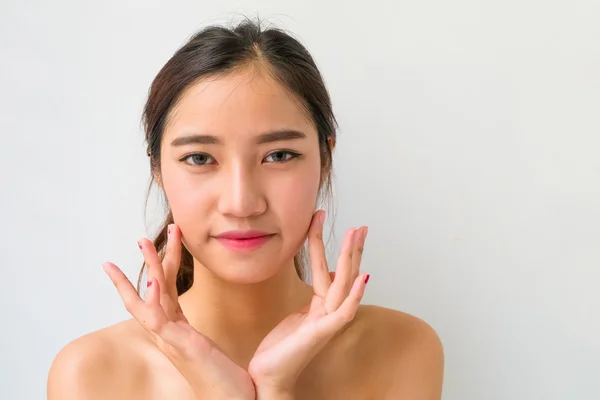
(186, 199)
(293, 201)
(291, 197)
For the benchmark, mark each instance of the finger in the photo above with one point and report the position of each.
(153, 293)
(333, 322)
(151, 314)
(176, 333)
(168, 300)
(172, 260)
(132, 300)
(358, 250)
(153, 317)
(318, 258)
(153, 262)
(338, 290)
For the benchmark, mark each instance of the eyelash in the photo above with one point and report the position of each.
(292, 155)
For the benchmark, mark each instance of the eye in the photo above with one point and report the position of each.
(281, 156)
(197, 159)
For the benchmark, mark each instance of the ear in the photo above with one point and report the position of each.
(157, 178)
(331, 143)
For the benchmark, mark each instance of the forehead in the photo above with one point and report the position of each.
(242, 103)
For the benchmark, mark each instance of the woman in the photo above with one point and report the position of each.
(240, 135)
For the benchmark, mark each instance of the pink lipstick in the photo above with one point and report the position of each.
(244, 240)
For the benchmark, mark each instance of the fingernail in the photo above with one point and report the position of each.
(139, 245)
(149, 283)
(322, 217)
(367, 278)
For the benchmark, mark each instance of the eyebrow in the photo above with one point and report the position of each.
(269, 137)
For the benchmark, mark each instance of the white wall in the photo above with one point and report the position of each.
(469, 144)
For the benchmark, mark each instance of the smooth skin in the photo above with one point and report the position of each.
(249, 327)
(286, 350)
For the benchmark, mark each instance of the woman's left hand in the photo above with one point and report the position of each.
(291, 345)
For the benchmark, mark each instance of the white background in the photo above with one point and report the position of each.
(469, 143)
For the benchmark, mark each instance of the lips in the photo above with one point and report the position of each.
(244, 240)
(242, 235)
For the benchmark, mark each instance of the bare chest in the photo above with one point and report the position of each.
(318, 381)
(338, 372)
(323, 389)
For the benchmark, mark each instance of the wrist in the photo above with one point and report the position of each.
(277, 396)
(274, 395)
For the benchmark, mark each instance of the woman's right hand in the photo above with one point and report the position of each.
(210, 372)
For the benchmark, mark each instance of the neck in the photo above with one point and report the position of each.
(238, 316)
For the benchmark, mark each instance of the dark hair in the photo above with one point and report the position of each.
(217, 50)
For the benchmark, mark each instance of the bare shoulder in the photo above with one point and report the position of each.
(405, 351)
(402, 331)
(98, 365)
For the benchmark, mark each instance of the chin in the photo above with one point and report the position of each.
(243, 270)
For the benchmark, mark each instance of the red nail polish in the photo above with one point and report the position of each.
(367, 278)
(149, 283)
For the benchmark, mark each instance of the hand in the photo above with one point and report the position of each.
(208, 370)
(292, 344)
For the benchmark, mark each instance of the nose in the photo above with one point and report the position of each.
(241, 193)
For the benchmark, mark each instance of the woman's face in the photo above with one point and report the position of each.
(238, 154)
